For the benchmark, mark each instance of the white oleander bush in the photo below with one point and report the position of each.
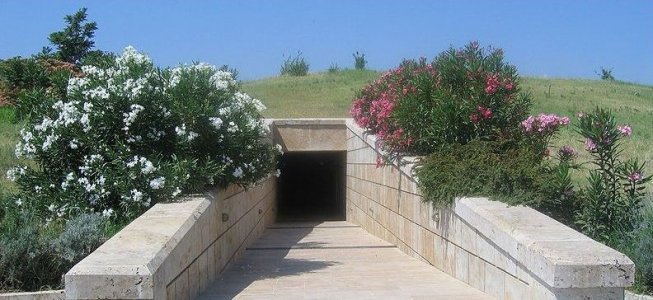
(132, 134)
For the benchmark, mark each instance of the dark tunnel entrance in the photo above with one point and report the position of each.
(312, 186)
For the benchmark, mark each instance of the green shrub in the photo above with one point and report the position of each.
(28, 82)
(81, 236)
(35, 255)
(333, 68)
(606, 74)
(131, 135)
(637, 246)
(25, 257)
(98, 58)
(19, 74)
(613, 197)
(462, 95)
(359, 61)
(33, 104)
(294, 66)
(505, 171)
(234, 72)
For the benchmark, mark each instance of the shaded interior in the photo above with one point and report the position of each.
(312, 186)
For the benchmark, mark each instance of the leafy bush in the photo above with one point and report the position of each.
(81, 236)
(22, 79)
(613, 197)
(333, 68)
(359, 61)
(131, 135)
(46, 73)
(18, 74)
(462, 95)
(36, 255)
(294, 66)
(638, 247)
(606, 74)
(25, 254)
(233, 71)
(504, 171)
(98, 58)
(464, 114)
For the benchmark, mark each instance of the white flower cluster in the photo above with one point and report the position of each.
(185, 134)
(147, 167)
(48, 131)
(216, 122)
(223, 80)
(90, 139)
(14, 173)
(130, 117)
(136, 196)
(157, 183)
(242, 99)
(131, 56)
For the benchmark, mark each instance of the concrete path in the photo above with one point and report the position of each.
(332, 260)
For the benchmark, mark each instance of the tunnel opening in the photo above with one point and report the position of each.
(312, 186)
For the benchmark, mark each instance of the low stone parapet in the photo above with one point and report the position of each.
(510, 252)
(174, 250)
(42, 295)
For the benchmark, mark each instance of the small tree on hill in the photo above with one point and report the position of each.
(76, 40)
(606, 74)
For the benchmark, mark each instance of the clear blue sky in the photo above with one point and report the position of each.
(542, 38)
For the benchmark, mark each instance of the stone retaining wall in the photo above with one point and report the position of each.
(633, 296)
(174, 250)
(507, 252)
(43, 295)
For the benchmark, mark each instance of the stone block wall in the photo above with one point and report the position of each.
(175, 250)
(43, 295)
(507, 252)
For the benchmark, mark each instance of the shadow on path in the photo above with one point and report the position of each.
(266, 261)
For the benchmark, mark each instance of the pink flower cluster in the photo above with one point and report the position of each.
(635, 176)
(543, 123)
(373, 110)
(493, 83)
(566, 152)
(590, 145)
(625, 130)
(480, 113)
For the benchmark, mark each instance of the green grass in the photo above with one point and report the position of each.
(330, 95)
(631, 104)
(8, 137)
(315, 95)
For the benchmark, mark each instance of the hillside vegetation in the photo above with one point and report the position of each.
(330, 95)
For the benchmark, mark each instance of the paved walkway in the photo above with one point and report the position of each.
(332, 260)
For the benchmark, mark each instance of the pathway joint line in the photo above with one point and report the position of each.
(319, 248)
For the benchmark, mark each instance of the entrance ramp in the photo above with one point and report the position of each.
(331, 260)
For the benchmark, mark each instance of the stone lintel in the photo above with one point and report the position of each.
(310, 134)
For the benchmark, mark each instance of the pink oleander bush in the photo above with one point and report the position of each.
(465, 115)
(538, 130)
(464, 94)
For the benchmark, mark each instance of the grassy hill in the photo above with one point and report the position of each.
(330, 95)
(315, 95)
(8, 138)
